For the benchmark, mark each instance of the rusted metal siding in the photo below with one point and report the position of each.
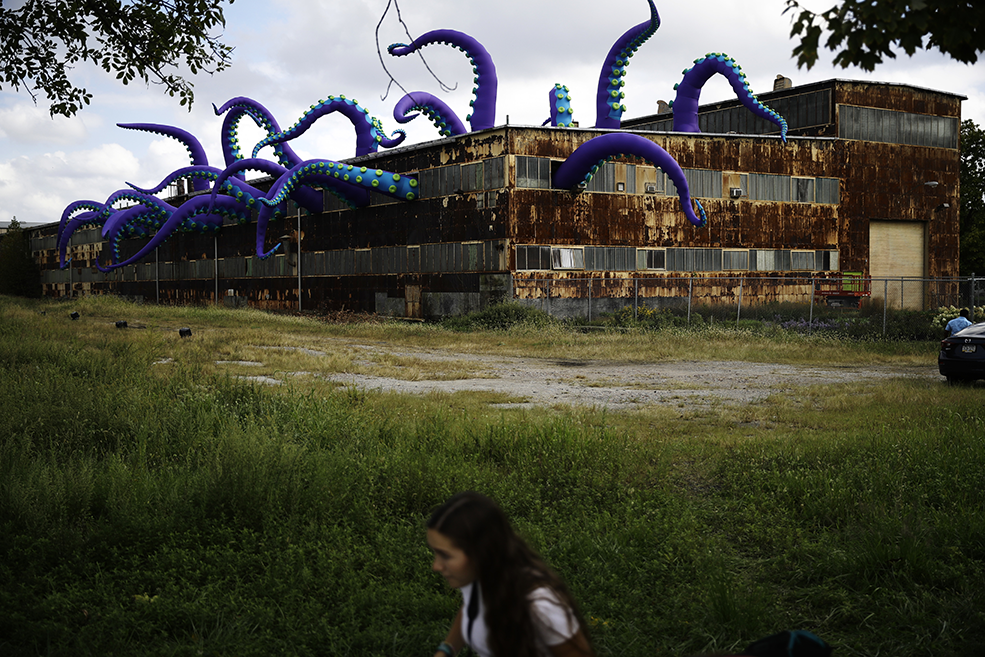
(877, 181)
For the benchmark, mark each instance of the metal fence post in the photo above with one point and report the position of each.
(589, 298)
(885, 302)
(636, 297)
(972, 296)
(810, 321)
(548, 296)
(215, 268)
(157, 274)
(690, 294)
(738, 311)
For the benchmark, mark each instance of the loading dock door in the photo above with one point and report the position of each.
(898, 252)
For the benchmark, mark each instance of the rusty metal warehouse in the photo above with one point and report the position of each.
(867, 186)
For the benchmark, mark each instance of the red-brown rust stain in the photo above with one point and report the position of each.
(898, 98)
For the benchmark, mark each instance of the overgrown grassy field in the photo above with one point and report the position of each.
(167, 508)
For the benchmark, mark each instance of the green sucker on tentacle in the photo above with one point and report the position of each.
(486, 88)
(369, 130)
(685, 105)
(377, 180)
(608, 99)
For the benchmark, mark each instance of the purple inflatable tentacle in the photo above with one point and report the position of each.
(585, 161)
(74, 207)
(369, 131)
(486, 82)
(310, 199)
(196, 214)
(206, 173)
(559, 98)
(195, 151)
(72, 225)
(442, 116)
(244, 106)
(608, 98)
(685, 105)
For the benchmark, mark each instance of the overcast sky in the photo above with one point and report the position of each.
(292, 53)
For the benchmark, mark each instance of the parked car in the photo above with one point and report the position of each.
(962, 356)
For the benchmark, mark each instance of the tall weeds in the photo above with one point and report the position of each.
(163, 509)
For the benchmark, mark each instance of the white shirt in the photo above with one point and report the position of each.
(553, 622)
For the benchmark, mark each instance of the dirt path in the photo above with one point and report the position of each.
(615, 385)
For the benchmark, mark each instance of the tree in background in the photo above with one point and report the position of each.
(868, 31)
(137, 39)
(19, 274)
(972, 199)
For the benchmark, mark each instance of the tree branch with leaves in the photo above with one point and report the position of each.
(42, 41)
(867, 32)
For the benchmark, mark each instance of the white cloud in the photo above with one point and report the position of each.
(23, 123)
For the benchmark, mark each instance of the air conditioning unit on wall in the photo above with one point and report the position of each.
(735, 192)
(651, 188)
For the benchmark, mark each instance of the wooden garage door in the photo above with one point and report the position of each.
(897, 262)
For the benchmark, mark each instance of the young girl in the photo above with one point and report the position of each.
(513, 605)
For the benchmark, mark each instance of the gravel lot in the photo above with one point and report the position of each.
(615, 385)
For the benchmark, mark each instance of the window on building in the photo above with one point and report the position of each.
(768, 187)
(630, 178)
(610, 258)
(533, 172)
(735, 259)
(472, 177)
(893, 127)
(802, 260)
(494, 173)
(651, 259)
(529, 257)
(826, 190)
(702, 183)
(604, 179)
(694, 259)
(802, 190)
(769, 260)
(826, 260)
(567, 258)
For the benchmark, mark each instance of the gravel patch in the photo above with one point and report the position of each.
(616, 385)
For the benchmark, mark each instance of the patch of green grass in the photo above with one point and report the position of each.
(169, 509)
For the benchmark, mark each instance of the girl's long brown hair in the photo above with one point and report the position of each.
(507, 571)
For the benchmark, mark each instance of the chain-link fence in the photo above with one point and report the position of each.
(723, 298)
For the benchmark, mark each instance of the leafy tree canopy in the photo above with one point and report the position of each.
(19, 274)
(972, 198)
(867, 31)
(42, 40)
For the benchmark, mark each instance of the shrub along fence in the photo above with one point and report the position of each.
(723, 298)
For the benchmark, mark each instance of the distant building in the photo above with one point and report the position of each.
(867, 185)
